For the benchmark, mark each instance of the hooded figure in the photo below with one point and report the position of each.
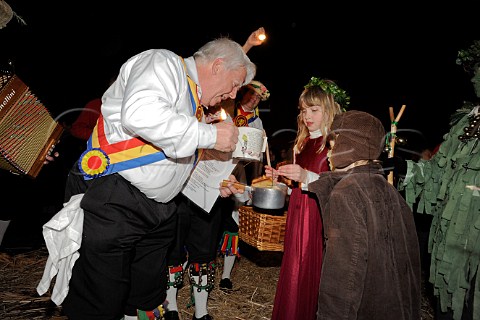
(359, 136)
(371, 264)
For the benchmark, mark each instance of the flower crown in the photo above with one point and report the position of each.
(340, 96)
(469, 58)
(259, 88)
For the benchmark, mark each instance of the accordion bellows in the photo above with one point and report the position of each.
(27, 130)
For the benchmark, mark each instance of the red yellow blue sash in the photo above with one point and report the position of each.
(243, 118)
(102, 158)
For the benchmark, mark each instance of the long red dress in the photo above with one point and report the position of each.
(297, 289)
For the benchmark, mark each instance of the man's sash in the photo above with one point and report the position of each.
(102, 158)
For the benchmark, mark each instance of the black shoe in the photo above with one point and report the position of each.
(205, 317)
(171, 315)
(226, 284)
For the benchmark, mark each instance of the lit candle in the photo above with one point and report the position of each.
(223, 115)
(215, 115)
(262, 37)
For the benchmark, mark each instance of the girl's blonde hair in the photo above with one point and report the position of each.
(315, 96)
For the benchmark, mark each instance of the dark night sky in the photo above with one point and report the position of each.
(382, 56)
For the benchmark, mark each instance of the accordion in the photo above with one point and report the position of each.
(27, 130)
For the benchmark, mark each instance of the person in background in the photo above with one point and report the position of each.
(245, 114)
(83, 126)
(150, 116)
(371, 263)
(297, 288)
(196, 243)
(447, 187)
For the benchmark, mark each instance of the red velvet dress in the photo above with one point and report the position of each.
(297, 289)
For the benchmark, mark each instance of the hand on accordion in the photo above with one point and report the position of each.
(51, 155)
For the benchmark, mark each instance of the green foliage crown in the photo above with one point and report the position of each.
(469, 58)
(340, 96)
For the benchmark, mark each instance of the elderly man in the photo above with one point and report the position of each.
(138, 158)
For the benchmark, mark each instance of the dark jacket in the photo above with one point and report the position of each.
(371, 264)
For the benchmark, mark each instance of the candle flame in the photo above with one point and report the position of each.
(262, 37)
(223, 115)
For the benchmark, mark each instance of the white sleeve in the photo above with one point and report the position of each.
(157, 105)
(311, 176)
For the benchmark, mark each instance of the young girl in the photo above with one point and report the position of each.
(297, 288)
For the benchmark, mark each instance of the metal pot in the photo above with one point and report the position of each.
(272, 197)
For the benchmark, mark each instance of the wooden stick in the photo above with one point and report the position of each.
(399, 115)
(267, 151)
(393, 131)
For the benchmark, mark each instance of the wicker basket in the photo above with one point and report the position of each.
(263, 231)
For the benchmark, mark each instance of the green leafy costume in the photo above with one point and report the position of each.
(447, 187)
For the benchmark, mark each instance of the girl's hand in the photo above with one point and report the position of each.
(293, 172)
(271, 173)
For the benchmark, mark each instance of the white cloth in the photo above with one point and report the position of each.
(150, 99)
(315, 134)
(311, 176)
(63, 237)
(236, 216)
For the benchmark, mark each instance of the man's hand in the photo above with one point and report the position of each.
(226, 191)
(227, 136)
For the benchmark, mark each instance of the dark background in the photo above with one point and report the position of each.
(384, 54)
(388, 54)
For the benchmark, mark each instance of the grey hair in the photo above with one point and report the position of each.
(232, 53)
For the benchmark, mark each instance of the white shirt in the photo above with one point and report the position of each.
(150, 99)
